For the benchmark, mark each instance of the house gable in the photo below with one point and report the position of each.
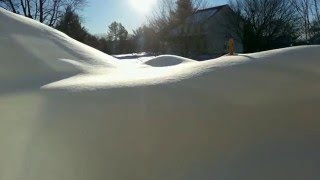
(206, 32)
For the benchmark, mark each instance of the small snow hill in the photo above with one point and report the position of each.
(167, 60)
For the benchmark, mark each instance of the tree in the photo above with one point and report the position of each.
(303, 8)
(309, 18)
(267, 24)
(315, 32)
(316, 10)
(168, 14)
(145, 39)
(97, 42)
(184, 9)
(70, 24)
(45, 11)
(118, 38)
(139, 39)
(116, 32)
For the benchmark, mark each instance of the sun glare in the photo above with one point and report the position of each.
(142, 6)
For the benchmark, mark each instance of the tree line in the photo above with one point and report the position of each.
(269, 24)
(261, 24)
(45, 11)
(63, 15)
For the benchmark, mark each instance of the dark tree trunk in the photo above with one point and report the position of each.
(12, 6)
(23, 8)
(41, 11)
(29, 9)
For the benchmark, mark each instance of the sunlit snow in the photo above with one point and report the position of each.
(70, 112)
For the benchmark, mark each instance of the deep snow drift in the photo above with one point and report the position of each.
(70, 112)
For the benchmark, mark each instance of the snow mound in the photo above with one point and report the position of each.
(34, 53)
(167, 60)
(68, 111)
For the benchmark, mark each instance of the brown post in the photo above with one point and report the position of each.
(231, 46)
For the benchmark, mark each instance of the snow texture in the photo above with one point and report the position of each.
(70, 112)
(167, 60)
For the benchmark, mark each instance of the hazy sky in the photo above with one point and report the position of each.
(131, 13)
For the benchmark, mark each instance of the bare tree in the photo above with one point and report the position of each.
(168, 14)
(160, 17)
(267, 24)
(9, 5)
(162, 14)
(45, 11)
(316, 12)
(303, 8)
(309, 17)
(315, 22)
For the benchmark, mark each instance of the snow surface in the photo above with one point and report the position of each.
(68, 111)
(167, 60)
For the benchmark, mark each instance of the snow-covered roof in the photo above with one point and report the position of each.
(204, 14)
(198, 18)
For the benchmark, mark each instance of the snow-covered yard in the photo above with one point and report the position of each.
(68, 111)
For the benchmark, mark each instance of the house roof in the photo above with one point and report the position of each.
(199, 17)
(204, 14)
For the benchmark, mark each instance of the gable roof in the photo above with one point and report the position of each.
(197, 18)
(204, 14)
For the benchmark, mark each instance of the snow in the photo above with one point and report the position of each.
(134, 57)
(131, 55)
(167, 60)
(68, 111)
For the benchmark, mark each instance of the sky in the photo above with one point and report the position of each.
(98, 14)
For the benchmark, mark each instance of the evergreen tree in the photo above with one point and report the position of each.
(117, 32)
(184, 9)
(70, 24)
(118, 38)
(146, 39)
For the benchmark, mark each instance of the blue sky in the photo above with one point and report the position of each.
(98, 14)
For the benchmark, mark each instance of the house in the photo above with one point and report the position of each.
(206, 32)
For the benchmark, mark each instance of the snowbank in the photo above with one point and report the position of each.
(34, 53)
(167, 60)
(70, 112)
